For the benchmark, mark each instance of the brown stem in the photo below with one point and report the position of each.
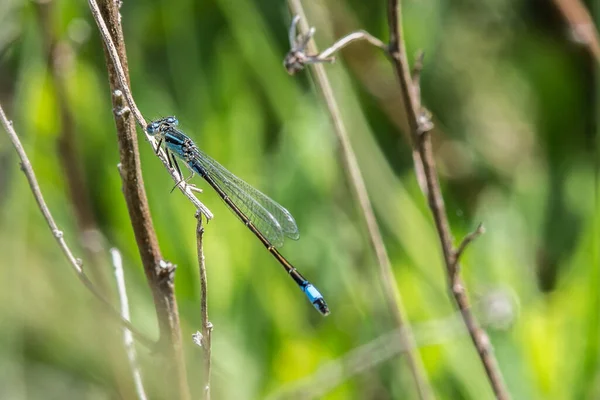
(206, 341)
(480, 230)
(359, 191)
(120, 77)
(160, 275)
(422, 142)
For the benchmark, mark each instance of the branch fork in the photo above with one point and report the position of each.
(296, 59)
(467, 240)
(420, 122)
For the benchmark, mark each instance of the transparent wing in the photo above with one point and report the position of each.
(269, 217)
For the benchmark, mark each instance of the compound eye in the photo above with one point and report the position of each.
(152, 128)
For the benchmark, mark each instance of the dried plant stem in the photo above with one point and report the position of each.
(206, 338)
(159, 274)
(127, 336)
(114, 49)
(349, 38)
(480, 230)
(75, 263)
(420, 127)
(388, 282)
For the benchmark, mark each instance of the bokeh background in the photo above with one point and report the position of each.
(513, 98)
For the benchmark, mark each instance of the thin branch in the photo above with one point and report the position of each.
(359, 191)
(123, 87)
(420, 125)
(297, 58)
(159, 273)
(205, 338)
(127, 336)
(76, 263)
(416, 74)
(480, 230)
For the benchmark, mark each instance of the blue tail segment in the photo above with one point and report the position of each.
(315, 297)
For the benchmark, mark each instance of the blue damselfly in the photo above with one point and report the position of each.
(268, 220)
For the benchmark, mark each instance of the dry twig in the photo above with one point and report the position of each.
(480, 230)
(127, 336)
(76, 263)
(297, 58)
(421, 125)
(359, 191)
(204, 339)
(159, 273)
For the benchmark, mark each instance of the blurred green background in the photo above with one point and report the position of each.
(513, 99)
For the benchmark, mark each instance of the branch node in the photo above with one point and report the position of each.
(121, 112)
(122, 109)
(458, 288)
(297, 58)
(424, 122)
(484, 344)
(166, 271)
(58, 233)
(418, 67)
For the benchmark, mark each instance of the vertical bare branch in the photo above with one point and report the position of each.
(119, 78)
(160, 275)
(127, 336)
(205, 339)
(359, 191)
(420, 126)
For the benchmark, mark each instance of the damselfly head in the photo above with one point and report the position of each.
(160, 125)
(152, 128)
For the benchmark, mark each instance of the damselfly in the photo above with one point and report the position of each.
(268, 220)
